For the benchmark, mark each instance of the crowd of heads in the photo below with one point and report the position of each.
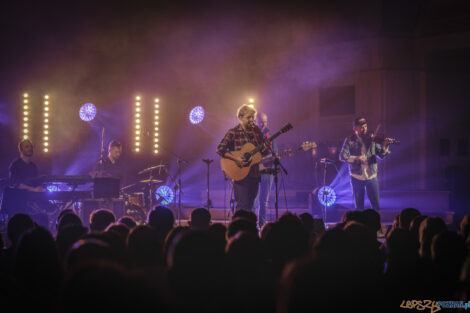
(293, 264)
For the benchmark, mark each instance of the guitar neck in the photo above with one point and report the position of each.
(291, 151)
(269, 159)
(258, 148)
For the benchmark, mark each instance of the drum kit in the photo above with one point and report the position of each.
(139, 197)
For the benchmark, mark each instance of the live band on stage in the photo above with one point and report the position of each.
(249, 157)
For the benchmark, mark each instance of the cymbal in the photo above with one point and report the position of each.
(128, 186)
(153, 181)
(151, 169)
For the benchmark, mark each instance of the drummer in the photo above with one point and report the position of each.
(109, 165)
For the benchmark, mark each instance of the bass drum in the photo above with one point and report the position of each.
(136, 212)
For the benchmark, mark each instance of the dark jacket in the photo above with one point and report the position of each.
(352, 147)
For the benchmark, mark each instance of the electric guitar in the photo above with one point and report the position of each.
(250, 153)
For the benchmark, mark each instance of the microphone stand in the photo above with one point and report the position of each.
(277, 168)
(209, 202)
(101, 153)
(179, 187)
(277, 164)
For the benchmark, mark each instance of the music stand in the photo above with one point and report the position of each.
(106, 187)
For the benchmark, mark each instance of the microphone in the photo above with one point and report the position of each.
(327, 161)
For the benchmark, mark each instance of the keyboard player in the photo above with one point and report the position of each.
(22, 174)
(23, 170)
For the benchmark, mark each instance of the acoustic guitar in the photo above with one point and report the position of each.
(251, 154)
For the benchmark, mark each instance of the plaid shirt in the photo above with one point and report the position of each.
(236, 137)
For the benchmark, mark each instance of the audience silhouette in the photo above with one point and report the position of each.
(293, 264)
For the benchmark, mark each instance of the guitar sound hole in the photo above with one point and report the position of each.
(247, 156)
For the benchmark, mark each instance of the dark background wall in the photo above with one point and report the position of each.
(402, 64)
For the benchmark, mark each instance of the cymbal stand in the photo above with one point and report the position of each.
(177, 187)
(209, 201)
(149, 194)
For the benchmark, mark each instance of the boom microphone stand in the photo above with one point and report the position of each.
(209, 202)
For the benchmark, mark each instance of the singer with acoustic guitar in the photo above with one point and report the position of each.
(246, 132)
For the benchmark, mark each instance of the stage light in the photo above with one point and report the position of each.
(164, 194)
(196, 115)
(137, 123)
(25, 129)
(156, 113)
(251, 100)
(46, 123)
(87, 112)
(327, 196)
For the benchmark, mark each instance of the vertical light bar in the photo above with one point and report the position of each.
(155, 125)
(138, 124)
(46, 134)
(25, 130)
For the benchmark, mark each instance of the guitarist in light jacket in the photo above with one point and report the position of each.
(245, 190)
